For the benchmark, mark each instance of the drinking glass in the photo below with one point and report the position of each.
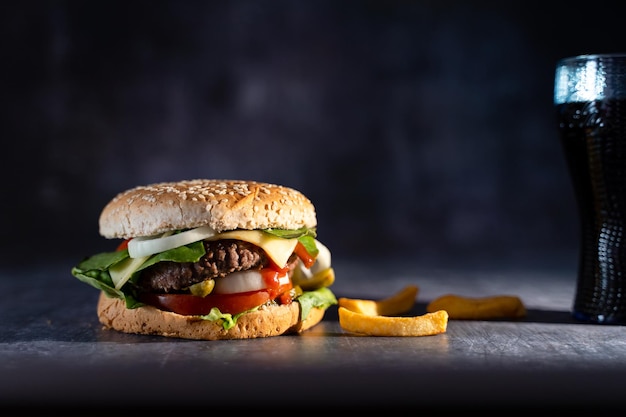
(590, 102)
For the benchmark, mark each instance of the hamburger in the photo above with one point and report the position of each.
(210, 259)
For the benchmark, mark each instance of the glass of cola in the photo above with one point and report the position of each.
(590, 103)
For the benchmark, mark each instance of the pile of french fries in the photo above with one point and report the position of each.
(384, 317)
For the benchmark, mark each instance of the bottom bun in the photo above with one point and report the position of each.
(268, 321)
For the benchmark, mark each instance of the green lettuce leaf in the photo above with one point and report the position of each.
(227, 319)
(94, 270)
(188, 253)
(291, 233)
(320, 298)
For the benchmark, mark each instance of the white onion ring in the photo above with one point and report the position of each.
(243, 281)
(146, 246)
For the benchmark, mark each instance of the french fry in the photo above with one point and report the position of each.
(425, 325)
(366, 307)
(468, 308)
(399, 303)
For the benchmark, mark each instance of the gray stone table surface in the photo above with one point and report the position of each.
(54, 353)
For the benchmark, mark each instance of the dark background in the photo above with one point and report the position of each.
(420, 129)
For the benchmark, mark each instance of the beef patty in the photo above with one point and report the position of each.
(222, 258)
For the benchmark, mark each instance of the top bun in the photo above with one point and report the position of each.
(220, 204)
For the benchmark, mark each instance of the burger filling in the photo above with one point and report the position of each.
(233, 276)
(223, 257)
(219, 277)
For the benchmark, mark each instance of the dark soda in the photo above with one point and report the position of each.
(593, 137)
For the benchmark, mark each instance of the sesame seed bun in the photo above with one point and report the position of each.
(267, 321)
(220, 204)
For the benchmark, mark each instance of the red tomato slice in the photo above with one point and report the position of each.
(188, 305)
(191, 305)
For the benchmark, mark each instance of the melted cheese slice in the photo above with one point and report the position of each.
(277, 248)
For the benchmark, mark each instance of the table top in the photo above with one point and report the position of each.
(54, 352)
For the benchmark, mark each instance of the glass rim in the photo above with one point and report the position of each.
(591, 57)
(588, 77)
